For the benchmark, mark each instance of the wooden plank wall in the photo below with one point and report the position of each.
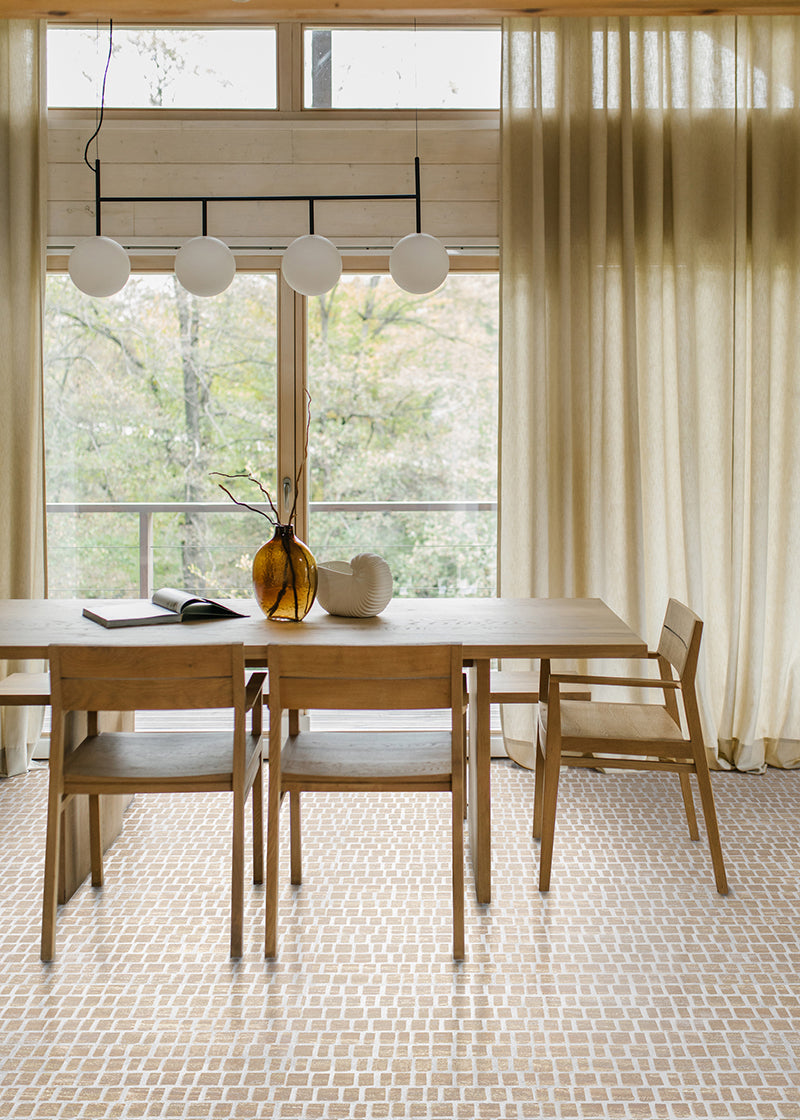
(148, 154)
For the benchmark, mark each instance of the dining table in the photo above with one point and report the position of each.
(486, 628)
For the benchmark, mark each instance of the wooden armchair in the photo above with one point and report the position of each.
(94, 679)
(629, 736)
(352, 678)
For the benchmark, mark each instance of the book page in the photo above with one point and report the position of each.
(173, 599)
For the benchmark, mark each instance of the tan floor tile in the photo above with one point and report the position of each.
(631, 990)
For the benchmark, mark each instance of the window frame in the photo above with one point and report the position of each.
(290, 77)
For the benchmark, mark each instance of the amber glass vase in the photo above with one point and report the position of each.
(284, 577)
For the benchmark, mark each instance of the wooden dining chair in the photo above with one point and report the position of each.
(630, 736)
(94, 679)
(352, 678)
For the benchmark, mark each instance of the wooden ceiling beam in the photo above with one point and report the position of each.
(341, 11)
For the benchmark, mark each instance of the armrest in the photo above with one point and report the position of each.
(630, 682)
(253, 687)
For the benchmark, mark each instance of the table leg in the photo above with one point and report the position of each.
(479, 791)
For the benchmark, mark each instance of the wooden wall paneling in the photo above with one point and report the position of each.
(175, 142)
(374, 142)
(71, 218)
(471, 182)
(459, 145)
(454, 220)
(460, 189)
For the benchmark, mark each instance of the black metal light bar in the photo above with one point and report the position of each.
(309, 198)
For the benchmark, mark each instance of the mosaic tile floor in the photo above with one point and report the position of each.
(631, 991)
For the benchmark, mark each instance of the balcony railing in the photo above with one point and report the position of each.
(146, 513)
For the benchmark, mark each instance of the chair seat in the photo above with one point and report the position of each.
(156, 762)
(611, 724)
(25, 688)
(368, 759)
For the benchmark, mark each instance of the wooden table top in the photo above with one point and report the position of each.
(486, 628)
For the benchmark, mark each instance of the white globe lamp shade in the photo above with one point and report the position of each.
(99, 266)
(311, 265)
(205, 266)
(419, 263)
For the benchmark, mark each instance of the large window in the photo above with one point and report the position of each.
(148, 393)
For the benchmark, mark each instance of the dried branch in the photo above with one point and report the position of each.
(245, 505)
(263, 489)
(305, 457)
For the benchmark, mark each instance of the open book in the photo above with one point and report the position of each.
(167, 605)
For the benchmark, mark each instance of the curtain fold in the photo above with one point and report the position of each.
(650, 260)
(23, 198)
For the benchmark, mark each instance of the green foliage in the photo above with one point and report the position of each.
(117, 374)
(404, 409)
(404, 392)
(148, 392)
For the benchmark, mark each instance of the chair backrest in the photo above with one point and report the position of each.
(680, 637)
(365, 677)
(122, 679)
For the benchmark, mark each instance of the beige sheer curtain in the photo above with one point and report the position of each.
(22, 224)
(650, 272)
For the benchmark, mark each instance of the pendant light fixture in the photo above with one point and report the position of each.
(205, 266)
(311, 264)
(99, 266)
(419, 263)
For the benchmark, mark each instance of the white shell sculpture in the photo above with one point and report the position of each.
(359, 589)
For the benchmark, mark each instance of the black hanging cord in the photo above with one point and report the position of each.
(416, 93)
(102, 97)
(417, 190)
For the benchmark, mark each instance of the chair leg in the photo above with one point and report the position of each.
(458, 875)
(95, 840)
(710, 815)
(51, 863)
(258, 826)
(294, 834)
(237, 874)
(551, 770)
(273, 822)
(465, 771)
(538, 791)
(688, 804)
